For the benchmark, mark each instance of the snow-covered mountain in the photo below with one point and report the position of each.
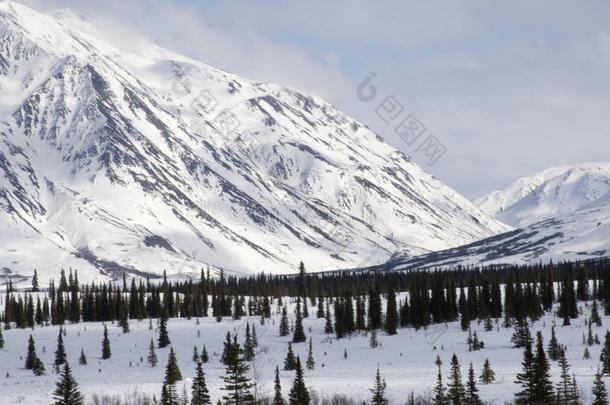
(581, 235)
(150, 160)
(550, 193)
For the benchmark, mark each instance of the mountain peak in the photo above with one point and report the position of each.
(552, 192)
(147, 162)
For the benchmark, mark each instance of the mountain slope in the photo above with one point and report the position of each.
(550, 193)
(151, 161)
(582, 235)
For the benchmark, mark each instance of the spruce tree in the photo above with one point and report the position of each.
(526, 378)
(604, 357)
(199, 390)
(391, 318)
(564, 394)
(521, 334)
(195, 357)
(237, 383)
(543, 385)
(248, 345)
(172, 371)
(600, 395)
(328, 322)
(284, 329)
(151, 359)
(440, 397)
(31, 354)
(106, 353)
(38, 368)
(299, 333)
(595, 315)
(299, 395)
(163, 339)
(227, 347)
(310, 363)
(487, 374)
(1, 338)
(373, 342)
(82, 360)
(60, 352)
(67, 392)
(290, 361)
(472, 392)
(378, 390)
(35, 287)
(554, 348)
(455, 388)
(278, 399)
(204, 355)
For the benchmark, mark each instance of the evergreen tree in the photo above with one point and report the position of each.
(521, 334)
(163, 339)
(38, 368)
(290, 361)
(227, 347)
(328, 323)
(564, 387)
(487, 375)
(106, 353)
(199, 391)
(455, 388)
(299, 395)
(391, 318)
(254, 338)
(172, 371)
(284, 329)
(30, 358)
(542, 378)
(595, 315)
(378, 390)
(152, 356)
(60, 352)
(604, 357)
(373, 342)
(472, 392)
(248, 345)
(278, 399)
(600, 395)
(237, 383)
(1, 338)
(440, 397)
(586, 355)
(82, 360)
(299, 333)
(310, 363)
(35, 287)
(195, 357)
(67, 392)
(526, 378)
(554, 348)
(204, 355)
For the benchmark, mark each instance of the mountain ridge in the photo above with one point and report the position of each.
(120, 162)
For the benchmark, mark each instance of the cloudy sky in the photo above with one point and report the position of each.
(508, 88)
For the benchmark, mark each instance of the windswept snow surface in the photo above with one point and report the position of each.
(148, 161)
(406, 360)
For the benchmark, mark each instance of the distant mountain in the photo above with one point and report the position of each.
(582, 235)
(548, 194)
(151, 161)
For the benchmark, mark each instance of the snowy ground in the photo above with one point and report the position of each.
(406, 360)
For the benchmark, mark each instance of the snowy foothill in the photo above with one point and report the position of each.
(405, 360)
